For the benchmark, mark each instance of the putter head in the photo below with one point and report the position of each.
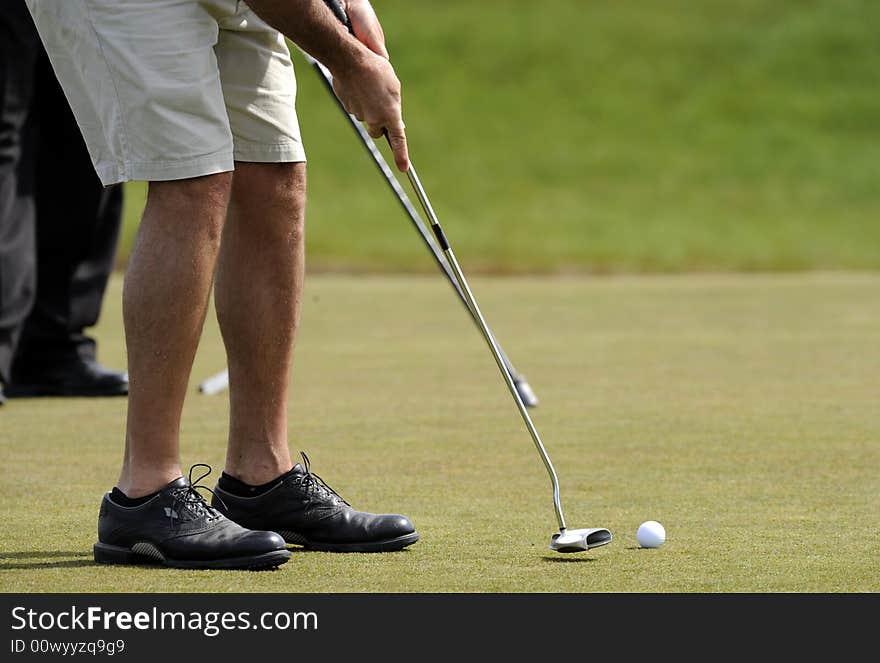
(579, 540)
(525, 392)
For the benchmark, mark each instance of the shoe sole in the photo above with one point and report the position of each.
(387, 545)
(149, 554)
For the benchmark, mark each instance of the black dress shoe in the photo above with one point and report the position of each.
(74, 377)
(307, 512)
(178, 528)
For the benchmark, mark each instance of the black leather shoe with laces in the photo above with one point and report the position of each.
(178, 528)
(303, 509)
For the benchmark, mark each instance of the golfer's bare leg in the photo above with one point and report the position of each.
(165, 300)
(258, 294)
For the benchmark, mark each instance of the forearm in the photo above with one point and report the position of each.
(363, 77)
(313, 27)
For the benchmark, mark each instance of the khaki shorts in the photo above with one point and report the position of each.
(172, 89)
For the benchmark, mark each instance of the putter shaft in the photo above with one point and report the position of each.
(490, 339)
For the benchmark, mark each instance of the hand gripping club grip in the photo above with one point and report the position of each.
(339, 11)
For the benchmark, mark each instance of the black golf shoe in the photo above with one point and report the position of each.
(74, 377)
(178, 528)
(307, 512)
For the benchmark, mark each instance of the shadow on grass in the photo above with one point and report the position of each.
(299, 549)
(12, 561)
(43, 554)
(9, 561)
(568, 560)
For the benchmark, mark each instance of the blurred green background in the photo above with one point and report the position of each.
(612, 136)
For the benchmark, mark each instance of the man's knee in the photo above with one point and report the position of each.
(203, 200)
(274, 184)
(209, 193)
(271, 197)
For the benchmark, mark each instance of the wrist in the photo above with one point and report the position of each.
(350, 59)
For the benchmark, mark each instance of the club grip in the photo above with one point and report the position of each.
(339, 11)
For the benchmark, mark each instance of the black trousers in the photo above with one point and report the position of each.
(59, 227)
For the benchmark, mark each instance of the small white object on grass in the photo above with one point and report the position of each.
(651, 534)
(216, 383)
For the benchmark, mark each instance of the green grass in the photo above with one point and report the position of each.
(613, 136)
(740, 411)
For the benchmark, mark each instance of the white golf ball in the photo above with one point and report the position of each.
(651, 534)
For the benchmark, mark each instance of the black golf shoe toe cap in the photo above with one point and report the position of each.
(225, 540)
(391, 526)
(257, 542)
(352, 526)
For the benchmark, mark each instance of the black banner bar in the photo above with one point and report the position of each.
(368, 626)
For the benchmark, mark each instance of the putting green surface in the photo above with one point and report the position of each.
(739, 411)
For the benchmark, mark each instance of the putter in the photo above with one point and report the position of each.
(564, 541)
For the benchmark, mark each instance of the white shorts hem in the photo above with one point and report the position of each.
(266, 153)
(164, 171)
